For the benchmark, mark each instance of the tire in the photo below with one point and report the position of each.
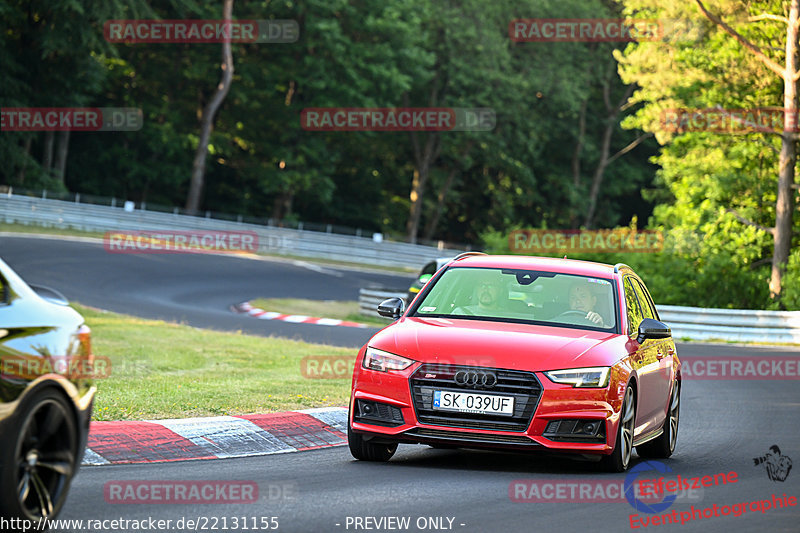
(620, 458)
(39, 458)
(364, 450)
(663, 446)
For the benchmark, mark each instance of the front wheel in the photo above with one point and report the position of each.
(620, 458)
(39, 461)
(364, 450)
(663, 446)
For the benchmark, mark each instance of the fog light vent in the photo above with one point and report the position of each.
(575, 430)
(378, 413)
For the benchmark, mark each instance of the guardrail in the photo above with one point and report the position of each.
(742, 325)
(695, 323)
(297, 242)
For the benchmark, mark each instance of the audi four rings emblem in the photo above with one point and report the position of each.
(471, 377)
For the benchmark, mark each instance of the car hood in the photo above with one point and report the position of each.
(499, 344)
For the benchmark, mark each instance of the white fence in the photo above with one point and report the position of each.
(313, 244)
(686, 322)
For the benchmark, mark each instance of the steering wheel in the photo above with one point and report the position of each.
(464, 310)
(571, 312)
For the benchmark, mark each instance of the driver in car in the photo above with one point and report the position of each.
(581, 298)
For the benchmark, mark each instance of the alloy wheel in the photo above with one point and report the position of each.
(44, 458)
(627, 423)
(674, 415)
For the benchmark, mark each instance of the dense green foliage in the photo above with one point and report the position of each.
(535, 169)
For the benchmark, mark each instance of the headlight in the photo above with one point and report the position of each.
(382, 361)
(581, 377)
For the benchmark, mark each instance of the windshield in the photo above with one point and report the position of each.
(521, 295)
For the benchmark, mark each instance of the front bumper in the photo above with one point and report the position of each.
(545, 414)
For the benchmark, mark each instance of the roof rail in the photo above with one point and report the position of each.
(621, 265)
(467, 254)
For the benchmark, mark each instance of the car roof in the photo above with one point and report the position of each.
(546, 264)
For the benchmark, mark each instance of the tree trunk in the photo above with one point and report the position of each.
(27, 152)
(605, 145)
(61, 156)
(415, 210)
(207, 120)
(47, 155)
(599, 171)
(612, 112)
(786, 162)
(576, 161)
(430, 227)
(282, 205)
(424, 159)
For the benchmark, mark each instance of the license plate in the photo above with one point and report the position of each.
(468, 402)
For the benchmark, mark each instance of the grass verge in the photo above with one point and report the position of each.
(167, 370)
(46, 230)
(342, 310)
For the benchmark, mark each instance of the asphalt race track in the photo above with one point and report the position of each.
(197, 289)
(724, 424)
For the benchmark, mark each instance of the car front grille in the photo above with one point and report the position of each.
(524, 387)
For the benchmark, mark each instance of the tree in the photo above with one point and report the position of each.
(516, 173)
(727, 193)
(789, 74)
(207, 118)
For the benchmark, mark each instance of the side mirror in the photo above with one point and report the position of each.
(392, 308)
(652, 329)
(49, 294)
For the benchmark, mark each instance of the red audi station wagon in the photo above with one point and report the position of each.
(520, 353)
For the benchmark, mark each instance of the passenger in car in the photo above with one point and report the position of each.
(488, 297)
(492, 299)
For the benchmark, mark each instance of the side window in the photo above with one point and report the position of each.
(647, 308)
(632, 306)
(646, 301)
(3, 295)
